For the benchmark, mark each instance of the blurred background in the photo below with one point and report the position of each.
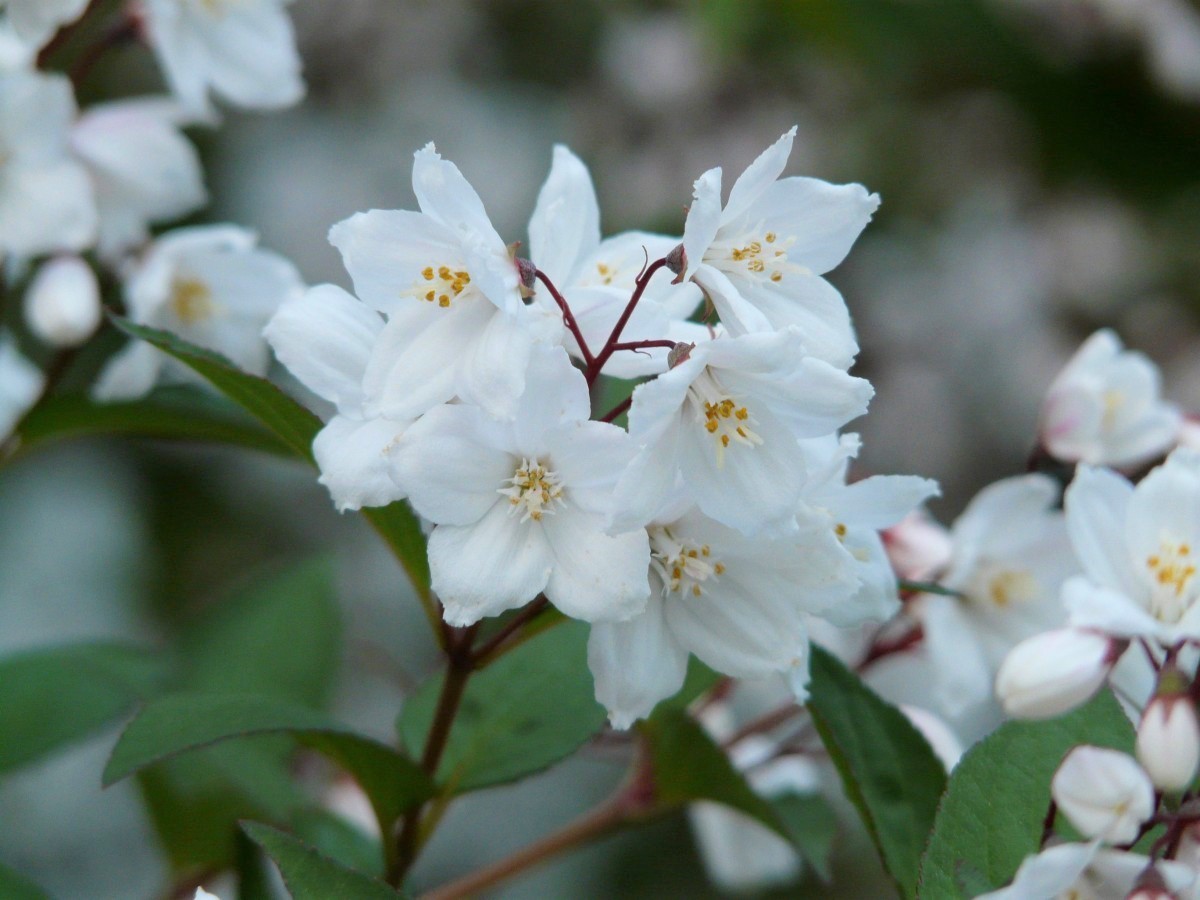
(1039, 165)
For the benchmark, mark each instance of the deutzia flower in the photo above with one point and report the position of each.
(727, 418)
(457, 326)
(1138, 547)
(1105, 408)
(520, 507)
(46, 201)
(1104, 793)
(62, 302)
(1086, 871)
(738, 603)
(211, 286)
(760, 257)
(20, 384)
(1053, 672)
(143, 170)
(242, 50)
(34, 21)
(325, 338)
(1010, 555)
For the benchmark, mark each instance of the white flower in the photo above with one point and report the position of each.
(598, 277)
(1105, 407)
(521, 506)
(35, 21)
(1053, 672)
(1138, 548)
(242, 50)
(1009, 557)
(761, 257)
(446, 282)
(62, 302)
(211, 286)
(918, 546)
(727, 419)
(1168, 742)
(20, 384)
(738, 603)
(46, 202)
(1104, 793)
(1078, 871)
(143, 170)
(202, 894)
(325, 338)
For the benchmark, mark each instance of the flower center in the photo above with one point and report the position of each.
(533, 491)
(1172, 570)
(681, 564)
(1003, 587)
(218, 8)
(441, 285)
(723, 418)
(757, 254)
(1113, 401)
(191, 300)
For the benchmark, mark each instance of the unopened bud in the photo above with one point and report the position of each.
(678, 354)
(1168, 741)
(1150, 885)
(62, 303)
(527, 274)
(1103, 793)
(676, 261)
(1053, 672)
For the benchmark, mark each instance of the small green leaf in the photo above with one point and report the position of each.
(175, 724)
(689, 766)
(282, 635)
(290, 421)
(529, 709)
(889, 772)
(177, 413)
(991, 817)
(51, 697)
(339, 840)
(811, 825)
(14, 886)
(310, 876)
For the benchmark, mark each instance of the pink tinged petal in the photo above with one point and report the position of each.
(324, 337)
(823, 220)
(1048, 874)
(597, 577)
(590, 457)
(962, 680)
(703, 220)
(385, 252)
(498, 563)
(1097, 505)
(493, 363)
(752, 489)
(351, 454)
(738, 315)
(759, 179)
(881, 501)
(565, 227)
(410, 372)
(812, 305)
(555, 396)
(130, 374)
(635, 664)
(448, 465)
(1089, 605)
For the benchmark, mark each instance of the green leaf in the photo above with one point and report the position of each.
(14, 886)
(281, 635)
(179, 413)
(689, 766)
(51, 697)
(889, 772)
(399, 527)
(310, 876)
(529, 709)
(173, 725)
(812, 825)
(340, 840)
(290, 421)
(700, 680)
(992, 814)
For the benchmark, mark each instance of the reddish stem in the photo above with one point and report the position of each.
(610, 346)
(524, 617)
(621, 407)
(881, 649)
(644, 345)
(568, 319)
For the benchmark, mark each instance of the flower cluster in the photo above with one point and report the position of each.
(719, 521)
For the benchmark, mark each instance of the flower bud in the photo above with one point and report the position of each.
(1168, 741)
(1103, 793)
(62, 303)
(1053, 672)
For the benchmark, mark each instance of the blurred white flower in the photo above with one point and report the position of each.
(211, 286)
(242, 50)
(62, 302)
(1053, 672)
(143, 170)
(1104, 793)
(20, 384)
(46, 202)
(1168, 742)
(1105, 407)
(1086, 871)
(202, 894)
(36, 21)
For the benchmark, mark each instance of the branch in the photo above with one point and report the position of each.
(568, 317)
(597, 364)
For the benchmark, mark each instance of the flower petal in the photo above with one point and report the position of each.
(565, 227)
(597, 577)
(351, 454)
(758, 182)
